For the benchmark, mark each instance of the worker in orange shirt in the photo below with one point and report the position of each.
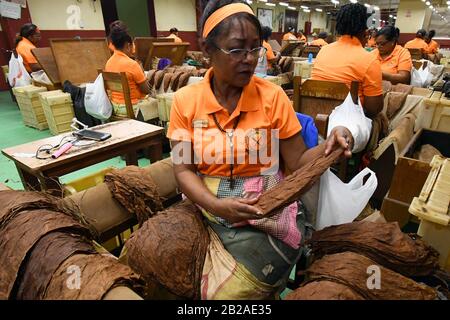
(27, 40)
(395, 60)
(269, 59)
(174, 35)
(418, 42)
(371, 41)
(139, 86)
(111, 45)
(320, 41)
(433, 46)
(301, 37)
(346, 60)
(289, 36)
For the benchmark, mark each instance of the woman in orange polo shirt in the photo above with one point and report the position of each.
(418, 42)
(120, 61)
(174, 35)
(289, 36)
(301, 37)
(346, 60)
(395, 60)
(27, 40)
(433, 46)
(224, 121)
(320, 41)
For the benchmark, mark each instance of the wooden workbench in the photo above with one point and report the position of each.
(127, 137)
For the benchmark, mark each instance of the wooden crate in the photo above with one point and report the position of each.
(30, 106)
(432, 208)
(303, 69)
(435, 114)
(164, 105)
(410, 175)
(58, 110)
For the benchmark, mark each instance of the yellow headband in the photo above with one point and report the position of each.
(223, 13)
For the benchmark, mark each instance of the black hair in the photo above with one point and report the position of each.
(431, 34)
(27, 30)
(214, 5)
(391, 33)
(322, 35)
(118, 33)
(421, 33)
(266, 33)
(173, 30)
(352, 19)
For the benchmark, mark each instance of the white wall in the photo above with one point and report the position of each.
(411, 15)
(53, 15)
(180, 14)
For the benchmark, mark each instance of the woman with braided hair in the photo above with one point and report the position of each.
(346, 60)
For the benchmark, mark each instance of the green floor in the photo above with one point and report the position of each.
(13, 132)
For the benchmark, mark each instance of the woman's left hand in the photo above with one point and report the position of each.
(340, 137)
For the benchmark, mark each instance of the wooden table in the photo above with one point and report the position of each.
(127, 137)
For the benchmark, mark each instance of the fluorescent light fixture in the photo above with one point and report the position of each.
(391, 16)
(428, 3)
(367, 5)
(376, 8)
(431, 7)
(448, 2)
(306, 10)
(328, 12)
(395, 18)
(319, 10)
(284, 4)
(249, 1)
(270, 4)
(292, 8)
(335, 1)
(262, 0)
(353, 1)
(304, 7)
(424, 0)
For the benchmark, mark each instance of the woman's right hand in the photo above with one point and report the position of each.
(237, 209)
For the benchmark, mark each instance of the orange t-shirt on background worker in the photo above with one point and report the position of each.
(345, 61)
(263, 105)
(432, 47)
(319, 43)
(174, 36)
(120, 62)
(417, 43)
(398, 60)
(269, 53)
(289, 37)
(302, 38)
(24, 48)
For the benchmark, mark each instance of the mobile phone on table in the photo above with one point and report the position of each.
(92, 135)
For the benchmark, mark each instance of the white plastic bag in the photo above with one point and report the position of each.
(41, 76)
(18, 76)
(421, 77)
(96, 100)
(351, 116)
(341, 203)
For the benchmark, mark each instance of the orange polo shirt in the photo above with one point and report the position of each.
(270, 55)
(417, 43)
(177, 39)
(120, 62)
(345, 61)
(432, 47)
(302, 38)
(319, 42)
(289, 36)
(24, 49)
(262, 107)
(398, 60)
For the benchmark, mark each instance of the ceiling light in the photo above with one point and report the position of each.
(353, 1)
(428, 3)
(262, 0)
(292, 8)
(335, 1)
(395, 18)
(306, 10)
(249, 1)
(367, 5)
(304, 7)
(424, 0)
(391, 16)
(328, 12)
(376, 8)
(270, 4)
(319, 10)
(284, 4)
(448, 2)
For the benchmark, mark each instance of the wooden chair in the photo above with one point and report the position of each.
(119, 82)
(176, 52)
(143, 45)
(310, 49)
(416, 54)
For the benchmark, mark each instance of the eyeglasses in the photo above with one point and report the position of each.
(382, 44)
(241, 54)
